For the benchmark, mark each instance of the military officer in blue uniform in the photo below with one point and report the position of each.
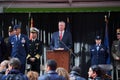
(98, 52)
(35, 51)
(19, 46)
(2, 49)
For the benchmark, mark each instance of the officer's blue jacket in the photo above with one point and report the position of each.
(19, 48)
(98, 56)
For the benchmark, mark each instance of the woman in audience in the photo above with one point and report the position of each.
(63, 72)
(32, 75)
(95, 73)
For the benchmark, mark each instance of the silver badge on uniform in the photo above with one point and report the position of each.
(12, 44)
(23, 40)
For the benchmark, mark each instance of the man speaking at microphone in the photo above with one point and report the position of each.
(61, 40)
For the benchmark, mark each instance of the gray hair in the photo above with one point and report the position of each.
(15, 63)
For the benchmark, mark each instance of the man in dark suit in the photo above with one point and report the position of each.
(61, 40)
(13, 71)
(98, 52)
(35, 51)
(19, 46)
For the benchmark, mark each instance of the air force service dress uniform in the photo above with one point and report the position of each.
(19, 48)
(98, 54)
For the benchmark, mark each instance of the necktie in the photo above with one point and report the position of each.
(60, 35)
(97, 47)
(17, 38)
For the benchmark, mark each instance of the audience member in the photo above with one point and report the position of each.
(51, 74)
(3, 67)
(32, 75)
(75, 74)
(13, 71)
(63, 72)
(95, 73)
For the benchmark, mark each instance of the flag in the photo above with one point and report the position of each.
(106, 39)
(31, 26)
(68, 24)
(2, 29)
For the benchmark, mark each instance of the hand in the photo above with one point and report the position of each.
(7, 71)
(32, 59)
(117, 58)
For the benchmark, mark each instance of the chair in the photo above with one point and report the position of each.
(106, 68)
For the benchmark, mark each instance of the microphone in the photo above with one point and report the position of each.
(66, 47)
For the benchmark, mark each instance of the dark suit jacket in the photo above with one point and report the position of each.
(65, 43)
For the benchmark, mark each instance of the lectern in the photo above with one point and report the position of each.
(61, 57)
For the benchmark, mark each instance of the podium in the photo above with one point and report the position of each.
(60, 56)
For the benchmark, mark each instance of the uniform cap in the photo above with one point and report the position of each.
(97, 37)
(34, 30)
(17, 27)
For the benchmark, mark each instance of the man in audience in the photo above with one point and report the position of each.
(13, 71)
(3, 67)
(51, 74)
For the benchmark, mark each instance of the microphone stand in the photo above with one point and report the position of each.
(71, 62)
(67, 48)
